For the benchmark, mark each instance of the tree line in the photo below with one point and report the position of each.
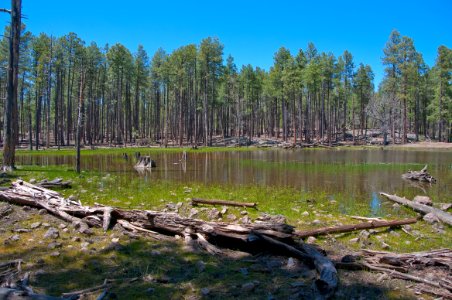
(110, 95)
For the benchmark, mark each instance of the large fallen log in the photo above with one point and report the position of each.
(196, 201)
(421, 175)
(209, 235)
(353, 227)
(425, 209)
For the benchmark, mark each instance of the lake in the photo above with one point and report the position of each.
(345, 175)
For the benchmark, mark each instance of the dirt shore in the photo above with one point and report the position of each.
(426, 145)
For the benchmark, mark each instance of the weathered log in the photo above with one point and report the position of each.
(17, 294)
(107, 218)
(196, 201)
(421, 175)
(400, 266)
(208, 234)
(11, 288)
(328, 280)
(56, 183)
(353, 227)
(425, 209)
(440, 257)
(207, 246)
(393, 273)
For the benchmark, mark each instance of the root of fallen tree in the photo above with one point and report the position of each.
(421, 175)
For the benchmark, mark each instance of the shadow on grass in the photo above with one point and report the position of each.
(143, 269)
(147, 269)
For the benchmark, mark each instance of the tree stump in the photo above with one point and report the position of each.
(145, 162)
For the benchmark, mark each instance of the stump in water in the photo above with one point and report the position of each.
(421, 175)
(145, 162)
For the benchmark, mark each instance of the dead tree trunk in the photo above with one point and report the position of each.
(9, 143)
(425, 209)
(354, 227)
(196, 201)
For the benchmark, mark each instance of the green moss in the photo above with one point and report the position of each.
(329, 209)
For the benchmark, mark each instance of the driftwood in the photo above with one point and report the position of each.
(196, 201)
(145, 162)
(425, 209)
(209, 235)
(421, 175)
(328, 279)
(56, 183)
(353, 227)
(11, 287)
(406, 265)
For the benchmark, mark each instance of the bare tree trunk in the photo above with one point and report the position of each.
(9, 143)
(49, 93)
(38, 120)
(79, 122)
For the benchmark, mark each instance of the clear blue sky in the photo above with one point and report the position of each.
(252, 31)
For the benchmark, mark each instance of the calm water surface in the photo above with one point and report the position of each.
(359, 174)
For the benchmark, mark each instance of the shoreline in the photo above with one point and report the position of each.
(252, 147)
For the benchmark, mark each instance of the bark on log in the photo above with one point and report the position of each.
(196, 201)
(442, 215)
(353, 227)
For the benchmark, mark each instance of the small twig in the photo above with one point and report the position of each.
(86, 291)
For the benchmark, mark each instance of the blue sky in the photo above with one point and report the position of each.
(252, 31)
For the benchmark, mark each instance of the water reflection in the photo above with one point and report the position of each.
(357, 174)
(375, 204)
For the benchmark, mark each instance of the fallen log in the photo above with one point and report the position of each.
(328, 280)
(409, 266)
(425, 209)
(209, 235)
(17, 294)
(11, 287)
(196, 201)
(421, 175)
(400, 275)
(353, 227)
(56, 183)
(440, 257)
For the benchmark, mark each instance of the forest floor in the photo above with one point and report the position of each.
(142, 268)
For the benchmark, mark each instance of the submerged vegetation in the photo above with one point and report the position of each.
(302, 206)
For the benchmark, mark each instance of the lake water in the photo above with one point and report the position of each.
(359, 174)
